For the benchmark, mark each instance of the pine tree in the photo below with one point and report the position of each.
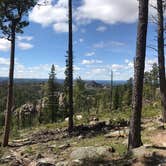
(111, 90)
(116, 98)
(12, 20)
(127, 97)
(53, 99)
(154, 76)
(161, 56)
(79, 95)
(70, 61)
(139, 66)
(66, 89)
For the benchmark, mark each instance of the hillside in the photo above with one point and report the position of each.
(102, 142)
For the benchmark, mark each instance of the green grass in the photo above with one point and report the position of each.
(100, 140)
(29, 150)
(151, 110)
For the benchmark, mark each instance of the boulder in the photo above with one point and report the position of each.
(7, 159)
(93, 122)
(117, 133)
(140, 152)
(91, 154)
(64, 146)
(63, 163)
(79, 117)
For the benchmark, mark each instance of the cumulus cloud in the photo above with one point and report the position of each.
(4, 44)
(108, 11)
(116, 67)
(90, 62)
(4, 61)
(54, 14)
(23, 71)
(48, 14)
(27, 38)
(90, 53)
(101, 28)
(25, 46)
(106, 44)
(60, 27)
(23, 42)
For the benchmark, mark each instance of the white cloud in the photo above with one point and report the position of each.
(23, 42)
(126, 61)
(106, 44)
(23, 71)
(25, 46)
(101, 28)
(149, 63)
(54, 14)
(121, 71)
(81, 40)
(97, 71)
(108, 11)
(49, 14)
(4, 44)
(4, 61)
(90, 62)
(61, 27)
(76, 68)
(90, 53)
(130, 65)
(116, 67)
(27, 38)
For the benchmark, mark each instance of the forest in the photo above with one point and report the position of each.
(76, 121)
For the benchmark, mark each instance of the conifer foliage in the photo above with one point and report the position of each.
(53, 95)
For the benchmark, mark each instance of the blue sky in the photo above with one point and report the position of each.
(104, 40)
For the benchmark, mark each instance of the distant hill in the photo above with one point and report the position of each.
(29, 80)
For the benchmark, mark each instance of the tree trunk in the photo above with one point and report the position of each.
(111, 92)
(9, 104)
(70, 56)
(139, 65)
(161, 58)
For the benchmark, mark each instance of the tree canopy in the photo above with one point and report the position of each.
(13, 14)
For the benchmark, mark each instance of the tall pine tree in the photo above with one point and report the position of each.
(70, 61)
(12, 20)
(161, 56)
(53, 99)
(139, 66)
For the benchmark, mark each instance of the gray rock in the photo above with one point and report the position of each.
(140, 152)
(7, 159)
(81, 137)
(65, 146)
(63, 163)
(76, 163)
(117, 133)
(91, 153)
